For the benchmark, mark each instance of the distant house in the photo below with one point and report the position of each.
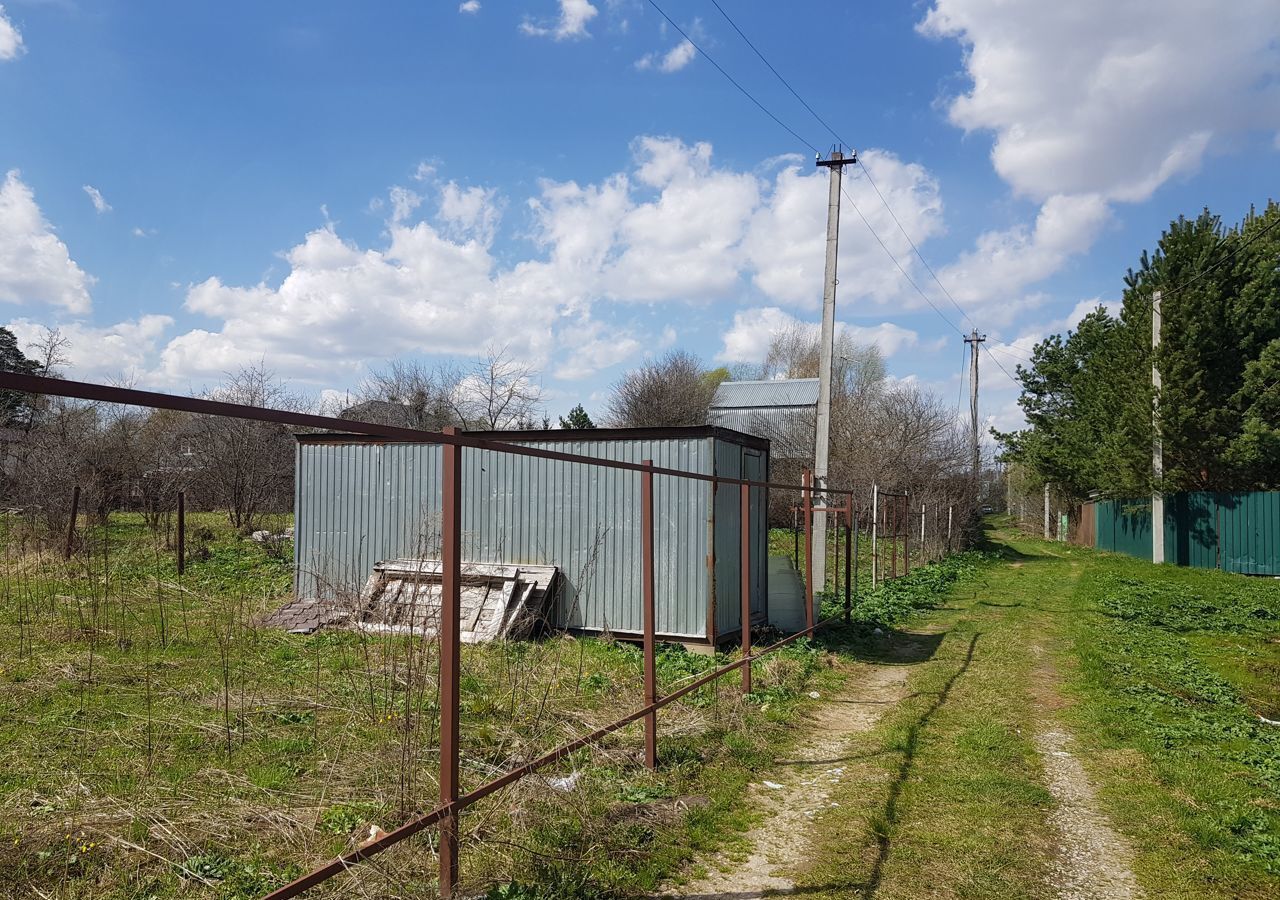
(784, 410)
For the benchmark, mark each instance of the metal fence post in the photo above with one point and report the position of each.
(875, 533)
(924, 552)
(891, 515)
(906, 535)
(450, 653)
(849, 529)
(650, 616)
(71, 523)
(808, 549)
(182, 532)
(855, 558)
(746, 587)
(795, 534)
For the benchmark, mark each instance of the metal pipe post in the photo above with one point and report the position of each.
(906, 535)
(892, 511)
(835, 552)
(855, 558)
(450, 659)
(746, 586)
(650, 617)
(182, 532)
(795, 533)
(849, 528)
(808, 549)
(875, 526)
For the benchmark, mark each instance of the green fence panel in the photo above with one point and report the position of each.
(1235, 532)
(1191, 529)
(1124, 526)
(1250, 532)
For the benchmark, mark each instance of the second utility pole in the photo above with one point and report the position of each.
(975, 339)
(826, 350)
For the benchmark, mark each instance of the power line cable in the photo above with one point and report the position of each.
(785, 83)
(1186, 284)
(793, 133)
(861, 165)
(911, 281)
(764, 109)
(919, 255)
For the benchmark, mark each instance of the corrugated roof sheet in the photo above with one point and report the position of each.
(781, 392)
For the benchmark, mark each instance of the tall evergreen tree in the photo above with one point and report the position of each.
(15, 407)
(577, 418)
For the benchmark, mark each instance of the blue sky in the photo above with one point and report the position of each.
(189, 188)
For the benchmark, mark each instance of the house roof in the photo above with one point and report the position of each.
(782, 410)
(541, 436)
(776, 393)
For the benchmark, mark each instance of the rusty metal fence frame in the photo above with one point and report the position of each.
(452, 801)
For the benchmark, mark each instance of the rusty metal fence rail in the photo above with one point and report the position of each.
(891, 517)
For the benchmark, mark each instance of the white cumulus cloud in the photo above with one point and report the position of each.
(673, 60)
(570, 25)
(1110, 97)
(35, 266)
(673, 227)
(747, 339)
(1005, 262)
(95, 197)
(105, 353)
(785, 244)
(471, 7)
(11, 46)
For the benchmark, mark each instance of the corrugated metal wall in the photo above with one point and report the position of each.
(735, 461)
(359, 502)
(1235, 532)
(1124, 526)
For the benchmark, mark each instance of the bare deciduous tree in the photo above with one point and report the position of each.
(674, 390)
(246, 467)
(497, 392)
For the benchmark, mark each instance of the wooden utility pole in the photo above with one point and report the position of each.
(974, 340)
(826, 350)
(1157, 442)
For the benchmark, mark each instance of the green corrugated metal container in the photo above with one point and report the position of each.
(1235, 532)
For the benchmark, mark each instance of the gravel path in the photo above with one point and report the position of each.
(797, 790)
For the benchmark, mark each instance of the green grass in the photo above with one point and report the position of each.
(154, 742)
(1176, 667)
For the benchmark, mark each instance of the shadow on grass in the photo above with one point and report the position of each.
(768, 892)
(892, 648)
(889, 815)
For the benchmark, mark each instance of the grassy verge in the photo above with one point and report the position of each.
(1160, 673)
(154, 742)
(1176, 666)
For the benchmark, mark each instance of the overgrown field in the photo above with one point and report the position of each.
(1183, 666)
(155, 742)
